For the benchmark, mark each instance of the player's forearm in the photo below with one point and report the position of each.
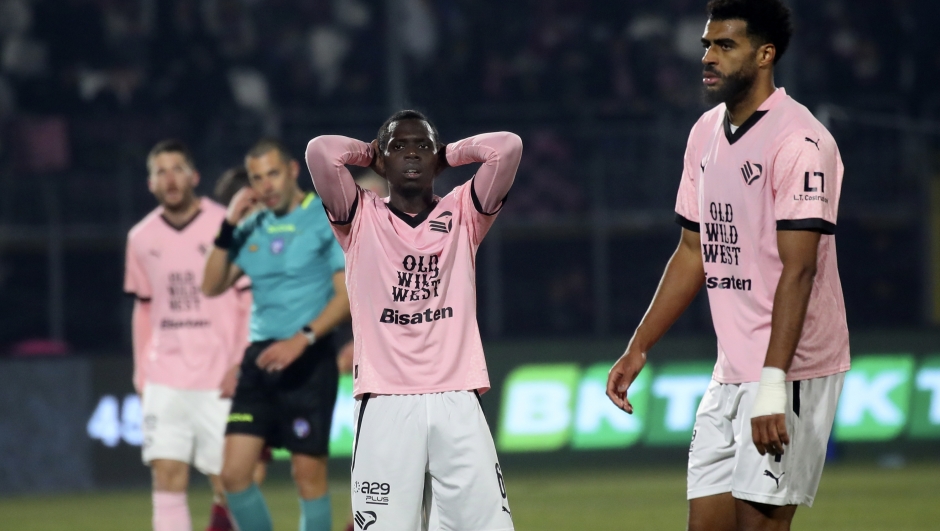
(681, 282)
(216, 278)
(790, 302)
(500, 154)
(141, 335)
(327, 157)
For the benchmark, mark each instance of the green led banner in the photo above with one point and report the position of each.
(557, 406)
(875, 399)
(925, 410)
(601, 424)
(342, 431)
(676, 392)
(537, 407)
(549, 407)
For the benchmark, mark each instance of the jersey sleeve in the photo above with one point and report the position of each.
(687, 209)
(484, 196)
(327, 157)
(332, 251)
(136, 282)
(499, 154)
(807, 180)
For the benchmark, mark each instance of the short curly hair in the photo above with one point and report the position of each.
(768, 21)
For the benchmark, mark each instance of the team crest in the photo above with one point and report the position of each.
(277, 245)
(443, 223)
(751, 172)
(301, 428)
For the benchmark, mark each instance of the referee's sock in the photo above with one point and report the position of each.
(315, 514)
(249, 510)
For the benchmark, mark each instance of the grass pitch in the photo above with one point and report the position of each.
(850, 498)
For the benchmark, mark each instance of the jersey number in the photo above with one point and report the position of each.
(499, 478)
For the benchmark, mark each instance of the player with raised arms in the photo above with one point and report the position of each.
(186, 347)
(288, 379)
(757, 204)
(418, 363)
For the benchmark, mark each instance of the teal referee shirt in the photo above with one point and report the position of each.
(291, 261)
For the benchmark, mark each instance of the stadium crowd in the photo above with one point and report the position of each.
(207, 57)
(86, 86)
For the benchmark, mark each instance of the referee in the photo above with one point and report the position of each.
(288, 381)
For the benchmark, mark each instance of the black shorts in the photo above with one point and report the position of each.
(292, 408)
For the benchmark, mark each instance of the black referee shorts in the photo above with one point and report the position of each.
(290, 409)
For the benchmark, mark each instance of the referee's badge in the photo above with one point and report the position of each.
(277, 245)
(301, 428)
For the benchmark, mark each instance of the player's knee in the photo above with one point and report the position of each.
(310, 478)
(234, 479)
(169, 476)
(712, 513)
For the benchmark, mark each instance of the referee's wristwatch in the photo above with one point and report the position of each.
(309, 334)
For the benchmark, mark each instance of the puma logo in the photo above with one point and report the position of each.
(813, 142)
(776, 479)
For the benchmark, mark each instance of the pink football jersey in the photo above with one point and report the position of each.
(194, 339)
(780, 170)
(412, 279)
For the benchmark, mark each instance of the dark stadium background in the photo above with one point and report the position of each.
(602, 92)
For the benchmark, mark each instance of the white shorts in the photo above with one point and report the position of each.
(723, 458)
(427, 456)
(184, 425)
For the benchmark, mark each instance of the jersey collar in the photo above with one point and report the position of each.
(414, 221)
(768, 104)
(182, 227)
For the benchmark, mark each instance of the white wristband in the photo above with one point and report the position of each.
(771, 394)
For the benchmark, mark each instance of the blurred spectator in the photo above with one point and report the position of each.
(544, 186)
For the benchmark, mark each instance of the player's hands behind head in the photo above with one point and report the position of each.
(378, 159)
(442, 163)
(621, 376)
(241, 205)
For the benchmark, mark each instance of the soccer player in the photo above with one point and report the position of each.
(757, 204)
(288, 381)
(186, 347)
(418, 363)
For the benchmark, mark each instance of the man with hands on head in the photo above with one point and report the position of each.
(288, 381)
(418, 363)
(757, 204)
